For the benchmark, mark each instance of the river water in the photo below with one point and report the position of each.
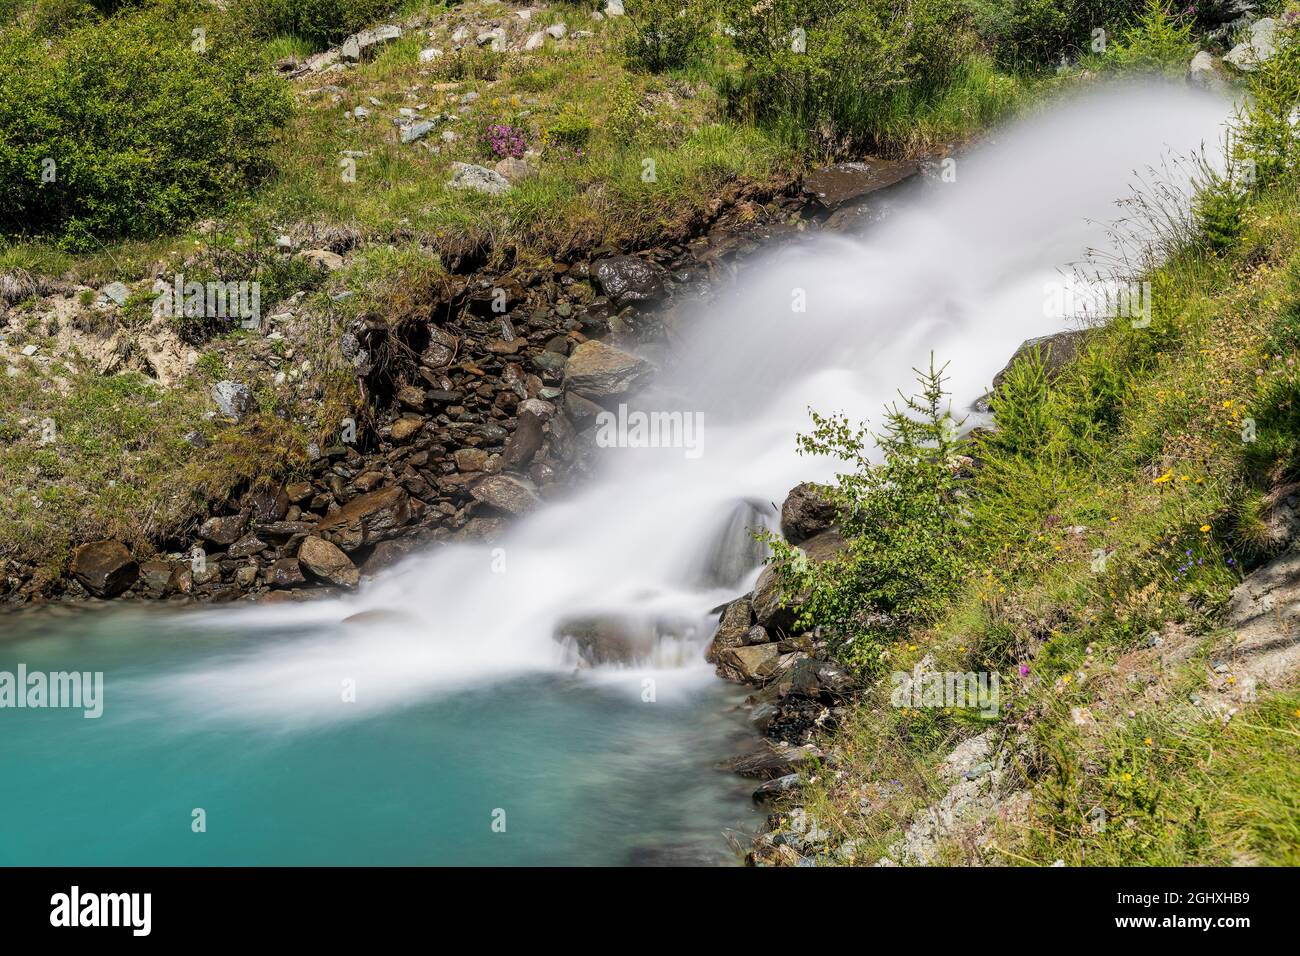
(450, 727)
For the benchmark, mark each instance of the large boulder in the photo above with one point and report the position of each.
(603, 373)
(732, 628)
(327, 562)
(478, 179)
(506, 493)
(1258, 47)
(751, 664)
(770, 610)
(367, 519)
(806, 513)
(1056, 351)
(627, 279)
(363, 45)
(104, 568)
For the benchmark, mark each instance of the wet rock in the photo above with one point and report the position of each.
(627, 279)
(388, 553)
(246, 547)
(749, 664)
(104, 568)
(730, 552)
(506, 493)
(223, 530)
(836, 185)
(234, 400)
(159, 577)
(327, 562)
(770, 760)
(367, 519)
(620, 638)
(527, 438)
(268, 504)
(806, 513)
(602, 372)
(776, 787)
(732, 627)
(285, 573)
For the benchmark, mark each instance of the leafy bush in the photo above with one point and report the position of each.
(322, 22)
(123, 129)
(664, 34)
(901, 518)
(832, 67)
(1035, 33)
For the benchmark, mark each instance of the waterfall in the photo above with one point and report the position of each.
(658, 538)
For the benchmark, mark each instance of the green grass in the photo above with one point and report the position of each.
(1135, 451)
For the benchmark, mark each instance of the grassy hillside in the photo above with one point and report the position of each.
(1100, 530)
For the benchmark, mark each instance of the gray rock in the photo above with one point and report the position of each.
(115, 293)
(1201, 72)
(366, 44)
(557, 30)
(416, 131)
(506, 493)
(234, 400)
(1260, 46)
(1056, 350)
(613, 8)
(478, 178)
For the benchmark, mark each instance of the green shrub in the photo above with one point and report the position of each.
(1159, 40)
(1036, 33)
(321, 22)
(1267, 134)
(665, 34)
(832, 68)
(902, 519)
(123, 129)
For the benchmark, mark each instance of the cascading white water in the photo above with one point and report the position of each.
(960, 273)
